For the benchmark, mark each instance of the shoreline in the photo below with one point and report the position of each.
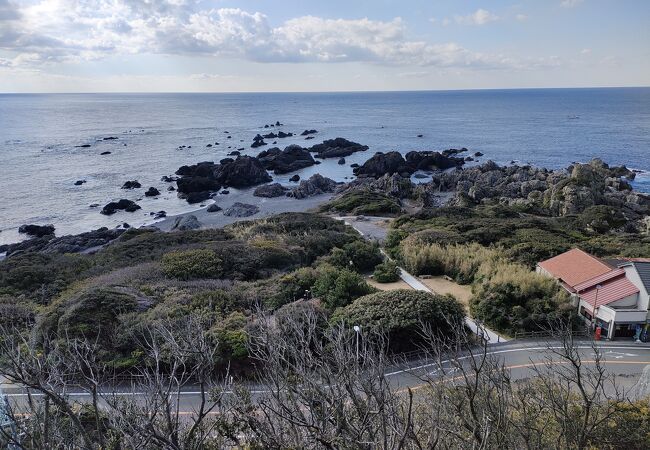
(268, 207)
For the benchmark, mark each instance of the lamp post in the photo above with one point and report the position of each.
(357, 330)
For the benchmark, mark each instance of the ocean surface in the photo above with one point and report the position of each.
(40, 160)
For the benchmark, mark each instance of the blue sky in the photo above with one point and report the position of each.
(334, 45)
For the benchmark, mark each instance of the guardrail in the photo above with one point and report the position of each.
(549, 334)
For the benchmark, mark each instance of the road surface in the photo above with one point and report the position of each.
(629, 362)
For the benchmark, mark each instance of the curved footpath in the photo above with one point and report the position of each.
(369, 229)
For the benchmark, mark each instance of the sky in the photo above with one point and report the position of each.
(320, 45)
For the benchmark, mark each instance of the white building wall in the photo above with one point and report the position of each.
(633, 276)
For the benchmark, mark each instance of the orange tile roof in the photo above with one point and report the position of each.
(574, 267)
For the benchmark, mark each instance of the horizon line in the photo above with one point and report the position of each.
(327, 92)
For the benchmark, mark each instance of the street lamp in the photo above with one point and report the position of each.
(357, 330)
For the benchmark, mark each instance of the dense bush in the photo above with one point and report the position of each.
(339, 287)
(386, 272)
(364, 202)
(401, 313)
(189, 264)
(359, 255)
(90, 313)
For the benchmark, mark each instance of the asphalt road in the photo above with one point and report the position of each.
(626, 360)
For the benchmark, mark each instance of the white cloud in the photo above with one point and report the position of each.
(521, 17)
(585, 51)
(570, 3)
(75, 30)
(478, 17)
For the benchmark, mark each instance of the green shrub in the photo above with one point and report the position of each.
(191, 264)
(364, 202)
(359, 255)
(339, 287)
(92, 313)
(231, 336)
(401, 313)
(386, 272)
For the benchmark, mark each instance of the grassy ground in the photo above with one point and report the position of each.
(441, 285)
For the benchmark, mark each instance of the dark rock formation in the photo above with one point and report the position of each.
(186, 223)
(282, 134)
(79, 182)
(384, 163)
(293, 157)
(428, 160)
(37, 230)
(197, 197)
(341, 161)
(214, 208)
(245, 171)
(131, 185)
(82, 146)
(308, 132)
(241, 210)
(123, 204)
(270, 190)
(315, 185)
(168, 179)
(152, 192)
(105, 153)
(258, 141)
(337, 148)
(295, 178)
(64, 244)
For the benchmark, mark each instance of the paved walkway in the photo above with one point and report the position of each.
(490, 336)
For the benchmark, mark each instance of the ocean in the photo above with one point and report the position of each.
(41, 135)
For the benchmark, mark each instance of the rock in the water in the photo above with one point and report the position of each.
(282, 134)
(428, 160)
(79, 182)
(110, 138)
(241, 210)
(234, 153)
(171, 188)
(82, 146)
(341, 161)
(381, 164)
(243, 172)
(295, 178)
(293, 157)
(315, 185)
(225, 192)
(168, 179)
(104, 153)
(214, 208)
(478, 154)
(420, 135)
(270, 190)
(197, 197)
(126, 226)
(152, 192)
(308, 132)
(186, 223)
(134, 184)
(159, 214)
(37, 230)
(337, 148)
(123, 204)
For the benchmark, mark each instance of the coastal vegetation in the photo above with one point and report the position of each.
(146, 277)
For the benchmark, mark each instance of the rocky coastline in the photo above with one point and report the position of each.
(387, 183)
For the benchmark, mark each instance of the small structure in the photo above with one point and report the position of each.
(612, 295)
